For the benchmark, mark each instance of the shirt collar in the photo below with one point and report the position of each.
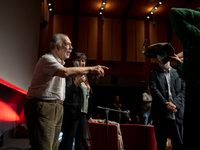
(168, 71)
(62, 62)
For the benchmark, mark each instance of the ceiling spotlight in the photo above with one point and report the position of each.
(50, 9)
(49, 4)
(102, 8)
(154, 9)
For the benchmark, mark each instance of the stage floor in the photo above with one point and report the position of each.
(16, 144)
(23, 144)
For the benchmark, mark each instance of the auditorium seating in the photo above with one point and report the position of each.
(135, 136)
(138, 137)
(97, 134)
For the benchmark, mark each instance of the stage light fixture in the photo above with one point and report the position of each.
(154, 9)
(102, 7)
(49, 3)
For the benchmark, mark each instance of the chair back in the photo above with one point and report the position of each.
(138, 137)
(97, 134)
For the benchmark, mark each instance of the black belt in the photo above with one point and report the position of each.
(48, 101)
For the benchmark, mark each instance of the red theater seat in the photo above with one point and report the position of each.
(138, 137)
(97, 134)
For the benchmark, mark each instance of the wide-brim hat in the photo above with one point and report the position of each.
(161, 51)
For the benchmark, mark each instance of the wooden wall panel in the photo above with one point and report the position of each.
(92, 38)
(112, 39)
(82, 35)
(68, 26)
(140, 37)
(116, 40)
(107, 39)
(131, 42)
(157, 33)
(135, 40)
(162, 31)
(111, 44)
(57, 23)
(87, 37)
(153, 33)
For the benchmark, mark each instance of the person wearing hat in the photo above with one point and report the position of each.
(185, 23)
(168, 93)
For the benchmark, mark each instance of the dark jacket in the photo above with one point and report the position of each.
(72, 103)
(159, 92)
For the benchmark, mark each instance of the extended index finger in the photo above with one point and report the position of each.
(104, 67)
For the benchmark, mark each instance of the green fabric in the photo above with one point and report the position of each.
(183, 22)
(84, 102)
(121, 144)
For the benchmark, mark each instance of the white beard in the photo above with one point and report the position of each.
(64, 53)
(67, 57)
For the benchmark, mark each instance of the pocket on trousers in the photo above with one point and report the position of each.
(40, 106)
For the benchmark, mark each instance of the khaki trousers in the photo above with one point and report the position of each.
(44, 121)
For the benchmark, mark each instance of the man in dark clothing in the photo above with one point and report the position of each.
(168, 92)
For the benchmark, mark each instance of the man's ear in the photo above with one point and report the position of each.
(73, 62)
(57, 46)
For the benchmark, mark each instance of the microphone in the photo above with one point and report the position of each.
(76, 64)
(126, 113)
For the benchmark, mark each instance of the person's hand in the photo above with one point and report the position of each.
(90, 120)
(99, 70)
(171, 107)
(172, 110)
(79, 80)
(180, 55)
(175, 61)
